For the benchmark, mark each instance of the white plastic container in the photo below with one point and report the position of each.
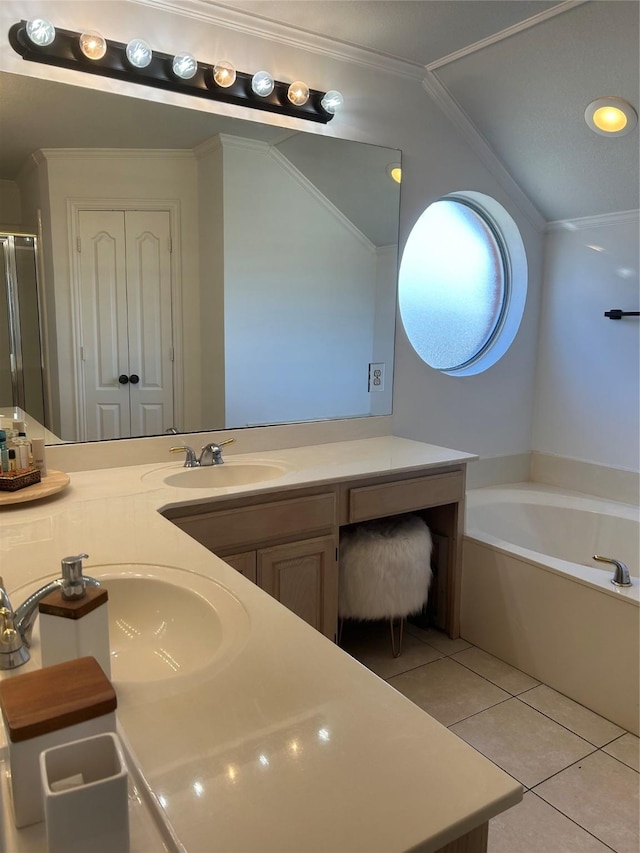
(85, 793)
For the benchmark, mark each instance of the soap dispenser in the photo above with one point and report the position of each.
(74, 619)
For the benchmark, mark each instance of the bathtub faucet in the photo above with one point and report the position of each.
(621, 573)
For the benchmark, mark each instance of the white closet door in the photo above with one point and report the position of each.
(103, 302)
(149, 321)
(125, 269)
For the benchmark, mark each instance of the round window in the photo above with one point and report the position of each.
(462, 283)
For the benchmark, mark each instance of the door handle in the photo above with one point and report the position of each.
(134, 379)
(123, 379)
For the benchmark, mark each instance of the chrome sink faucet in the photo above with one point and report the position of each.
(210, 454)
(16, 627)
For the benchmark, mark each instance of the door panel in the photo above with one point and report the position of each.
(103, 298)
(149, 320)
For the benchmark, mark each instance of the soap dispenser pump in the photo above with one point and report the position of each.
(74, 619)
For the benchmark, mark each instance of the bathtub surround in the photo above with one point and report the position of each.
(614, 484)
(531, 594)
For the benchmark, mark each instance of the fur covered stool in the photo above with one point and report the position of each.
(385, 571)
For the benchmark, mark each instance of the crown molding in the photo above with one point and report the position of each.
(450, 107)
(520, 27)
(220, 15)
(115, 153)
(600, 221)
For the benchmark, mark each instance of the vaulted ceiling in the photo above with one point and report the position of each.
(514, 76)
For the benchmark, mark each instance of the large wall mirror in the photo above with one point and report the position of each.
(195, 272)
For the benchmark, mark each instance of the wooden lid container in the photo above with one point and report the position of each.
(55, 605)
(55, 697)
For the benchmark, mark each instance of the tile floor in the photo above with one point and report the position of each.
(580, 771)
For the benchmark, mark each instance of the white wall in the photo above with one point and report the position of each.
(588, 394)
(10, 208)
(489, 414)
(284, 295)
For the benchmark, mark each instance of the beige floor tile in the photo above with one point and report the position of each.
(370, 643)
(534, 826)
(601, 794)
(525, 743)
(438, 639)
(625, 749)
(447, 690)
(507, 677)
(568, 713)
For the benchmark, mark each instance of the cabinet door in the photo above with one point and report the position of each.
(304, 577)
(244, 563)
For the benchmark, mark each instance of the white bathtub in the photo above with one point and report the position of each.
(533, 596)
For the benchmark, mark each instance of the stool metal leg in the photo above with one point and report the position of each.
(396, 651)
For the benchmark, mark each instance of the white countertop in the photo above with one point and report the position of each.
(293, 745)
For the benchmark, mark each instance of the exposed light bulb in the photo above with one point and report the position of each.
(41, 32)
(332, 101)
(184, 65)
(139, 53)
(92, 45)
(224, 74)
(262, 83)
(298, 93)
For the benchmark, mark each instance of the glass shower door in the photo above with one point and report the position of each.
(21, 369)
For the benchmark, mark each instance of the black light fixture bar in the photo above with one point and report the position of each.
(65, 52)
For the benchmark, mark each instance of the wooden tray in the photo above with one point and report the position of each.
(55, 481)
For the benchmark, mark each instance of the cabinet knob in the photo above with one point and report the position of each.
(134, 379)
(123, 379)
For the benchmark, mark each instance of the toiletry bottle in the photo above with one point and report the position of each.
(13, 465)
(23, 448)
(74, 619)
(39, 458)
(4, 454)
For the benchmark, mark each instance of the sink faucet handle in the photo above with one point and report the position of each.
(190, 459)
(211, 454)
(12, 650)
(73, 585)
(4, 596)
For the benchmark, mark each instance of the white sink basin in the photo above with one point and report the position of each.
(228, 474)
(167, 623)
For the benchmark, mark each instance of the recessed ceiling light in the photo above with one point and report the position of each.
(394, 171)
(611, 116)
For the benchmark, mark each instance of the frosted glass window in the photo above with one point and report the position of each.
(453, 285)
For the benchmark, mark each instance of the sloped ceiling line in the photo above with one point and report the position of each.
(449, 106)
(506, 33)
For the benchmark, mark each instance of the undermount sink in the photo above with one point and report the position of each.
(219, 476)
(168, 623)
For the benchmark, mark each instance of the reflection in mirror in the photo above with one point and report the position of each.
(197, 271)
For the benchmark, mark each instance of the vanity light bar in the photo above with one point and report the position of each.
(64, 51)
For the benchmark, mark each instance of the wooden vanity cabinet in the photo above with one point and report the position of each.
(287, 541)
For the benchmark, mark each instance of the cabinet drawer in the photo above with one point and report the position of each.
(246, 525)
(404, 496)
